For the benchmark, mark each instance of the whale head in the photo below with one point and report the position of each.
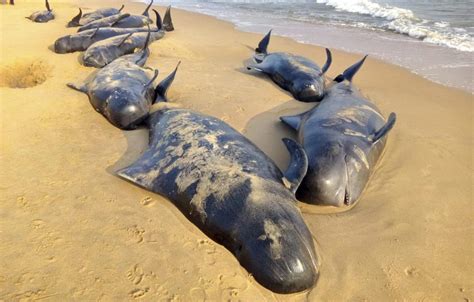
(126, 110)
(336, 175)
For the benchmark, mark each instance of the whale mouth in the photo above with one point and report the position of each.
(347, 195)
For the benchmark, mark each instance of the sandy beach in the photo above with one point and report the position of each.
(71, 230)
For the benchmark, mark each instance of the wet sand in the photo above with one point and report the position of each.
(72, 230)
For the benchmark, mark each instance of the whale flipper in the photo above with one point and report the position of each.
(297, 167)
(143, 171)
(385, 128)
(78, 86)
(328, 61)
(162, 88)
(94, 33)
(293, 121)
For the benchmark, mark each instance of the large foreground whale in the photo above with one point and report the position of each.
(303, 78)
(233, 192)
(123, 92)
(343, 138)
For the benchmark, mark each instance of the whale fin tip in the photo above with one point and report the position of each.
(297, 167)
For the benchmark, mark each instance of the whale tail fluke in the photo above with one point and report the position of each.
(392, 118)
(297, 167)
(162, 88)
(349, 73)
(328, 61)
(167, 21)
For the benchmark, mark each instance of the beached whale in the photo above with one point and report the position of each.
(123, 92)
(81, 19)
(81, 41)
(343, 138)
(233, 192)
(303, 78)
(106, 51)
(136, 20)
(42, 16)
(103, 22)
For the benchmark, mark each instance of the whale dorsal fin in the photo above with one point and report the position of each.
(297, 167)
(47, 6)
(385, 128)
(263, 44)
(76, 19)
(328, 61)
(120, 18)
(349, 73)
(145, 87)
(293, 121)
(164, 85)
(159, 22)
(121, 8)
(167, 21)
(94, 33)
(125, 39)
(145, 13)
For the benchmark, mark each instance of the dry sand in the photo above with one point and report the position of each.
(72, 230)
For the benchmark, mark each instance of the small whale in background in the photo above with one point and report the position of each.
(106, 51)
(81, 41)
(81, 19)
(135, 20)
(42, 16)
(343, 137)
(122, 91)
(233, 192)
(303, 78)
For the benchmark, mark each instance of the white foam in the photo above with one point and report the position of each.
(404, 21)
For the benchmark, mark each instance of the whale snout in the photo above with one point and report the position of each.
(61, 46)
(309, 91)
(124, 114)
(282, 257)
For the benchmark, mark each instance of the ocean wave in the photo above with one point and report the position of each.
(404, 21)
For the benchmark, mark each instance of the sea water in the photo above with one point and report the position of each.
(432, 38)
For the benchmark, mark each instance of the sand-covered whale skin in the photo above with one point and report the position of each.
(233, 192)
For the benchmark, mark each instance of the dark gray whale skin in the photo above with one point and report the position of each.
(106, 51)
(81, 41)
(42, 16)
(121, 91)
(81, 20)
(103, 22)
(231, 191)
(303, 78)
(343, 138)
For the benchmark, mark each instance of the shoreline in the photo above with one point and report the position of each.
(72, 229)
(382, 45)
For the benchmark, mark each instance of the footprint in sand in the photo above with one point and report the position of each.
(147, 201)
(138, 292)
(135, 274)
